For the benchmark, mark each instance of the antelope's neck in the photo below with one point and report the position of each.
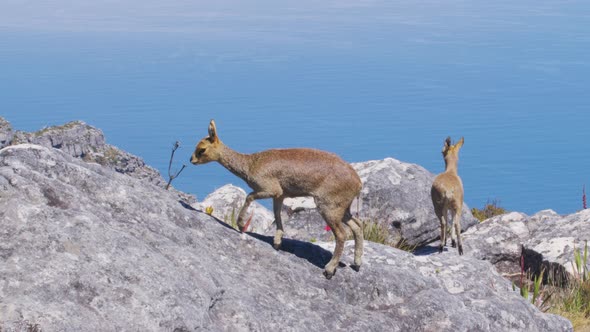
(451, 166)
(235, 162)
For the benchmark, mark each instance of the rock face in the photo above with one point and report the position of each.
(88, 143)
(74, 138)
(84, 248)
(553, 242)
(83, 141)
(498, 239)
(394, 194)
(227, 201)
(6, 133)
(547, 238)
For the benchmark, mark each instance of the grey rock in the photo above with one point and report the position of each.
(551, 246)
(304, 224)
(541, 218)
(75, 138)
(227, 202)
(395, 194)
(6, 133)
(81, 140)
(84, 248)
(546, 239)
(498, 239)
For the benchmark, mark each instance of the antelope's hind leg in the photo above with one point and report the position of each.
(441, 215)
(333, 217)
(357, 232)
(453, 233)
(457, 229)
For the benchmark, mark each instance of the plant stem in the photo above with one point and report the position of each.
(170, 175)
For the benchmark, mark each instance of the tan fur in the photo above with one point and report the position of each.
(283, 173)
(447, 195)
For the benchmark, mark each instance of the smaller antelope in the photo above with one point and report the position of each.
(282, 173)
(447, 194)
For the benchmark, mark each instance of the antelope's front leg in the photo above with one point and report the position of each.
(277, 205)
(249, 199)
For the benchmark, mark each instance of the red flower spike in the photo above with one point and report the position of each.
(247, 223)
(327, 228)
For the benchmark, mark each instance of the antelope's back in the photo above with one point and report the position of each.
(302, 171)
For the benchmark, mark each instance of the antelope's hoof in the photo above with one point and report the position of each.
(440, 249)
(329, 275)
(356, 267)
(277, 246)
(460, 250)
(453, 244)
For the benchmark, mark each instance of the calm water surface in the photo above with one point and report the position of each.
(364, 79)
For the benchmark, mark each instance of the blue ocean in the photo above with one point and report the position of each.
(364, 79)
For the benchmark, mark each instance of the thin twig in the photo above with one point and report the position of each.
(170, 175)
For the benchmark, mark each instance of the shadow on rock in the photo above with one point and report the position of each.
(224, 224)
(315, 254)
(426, 250)
(553, 273)
(187, 206)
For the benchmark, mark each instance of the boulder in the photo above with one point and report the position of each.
(81, 140)
(395, 194)
(227, 202)
(498, 239)
(75, 138)
(6, 133)
(552, 244)
(85, 248)
(546, 239)
(302, 223)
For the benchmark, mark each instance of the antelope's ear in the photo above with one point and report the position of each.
(447, 143)
(460, 143)
(212, 131)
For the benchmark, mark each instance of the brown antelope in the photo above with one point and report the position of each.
(281, 173)
(447, 195)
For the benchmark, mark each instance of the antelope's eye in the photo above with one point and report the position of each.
(200, 152)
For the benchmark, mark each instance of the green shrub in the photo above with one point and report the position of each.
(379, 233)
(573, 301)
(375, 232)
(491, 209)
(231, 219)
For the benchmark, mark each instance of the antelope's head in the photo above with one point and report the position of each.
(451, 152)
(208, 148)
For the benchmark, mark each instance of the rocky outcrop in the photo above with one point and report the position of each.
(74, 138)
(546, 239)
(498, 239)
(81, 140)
(395, 194)
(6, 133)
(84, 141)
(226, 203)
(84, 248)
(551, 246)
